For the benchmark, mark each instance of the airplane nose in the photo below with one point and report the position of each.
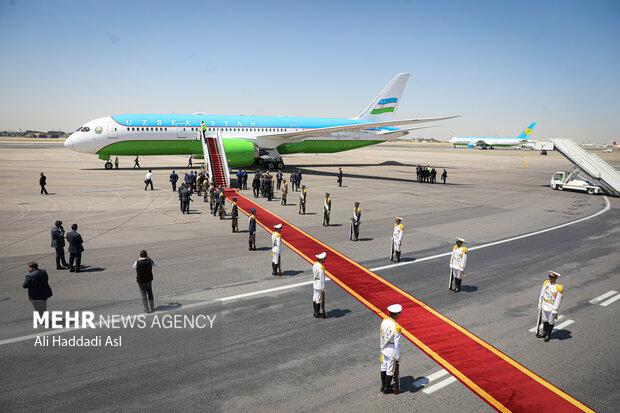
(69, 143)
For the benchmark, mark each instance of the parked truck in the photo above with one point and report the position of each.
(570, 180)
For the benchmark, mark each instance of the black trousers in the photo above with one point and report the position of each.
(43, 190)
(147, 292)
(185, 207)
(60, 257)
(174, 186)
(77, 257)
(148, 182)
(40, 306)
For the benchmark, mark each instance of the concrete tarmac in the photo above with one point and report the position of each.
(266, 351)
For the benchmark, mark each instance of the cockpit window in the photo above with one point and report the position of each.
(85, 129)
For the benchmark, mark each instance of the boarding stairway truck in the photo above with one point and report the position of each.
(569, 180)
(596, 168)
(215, 157)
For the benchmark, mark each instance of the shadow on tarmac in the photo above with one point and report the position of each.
(88, 268)
(469, 288)
(291, 273)
(336, 313)
(407, 384)
(169, 307)
(561, 335)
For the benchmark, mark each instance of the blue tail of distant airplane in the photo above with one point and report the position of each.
(527, 132)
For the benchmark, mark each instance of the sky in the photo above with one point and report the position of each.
(501, 65)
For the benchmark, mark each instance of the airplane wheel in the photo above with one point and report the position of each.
(261, 161)
(280, 165)
(108, 165)
(270, 165)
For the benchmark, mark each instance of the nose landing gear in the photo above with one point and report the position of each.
(108, 165)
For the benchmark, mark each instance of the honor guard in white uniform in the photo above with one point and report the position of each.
(276, 248)
(389, 345)
(397, 239)
(549, 303)
(284, 192)
(318, 283)
(302, 200)
(356, 220)
(458, 260)
(327, 209)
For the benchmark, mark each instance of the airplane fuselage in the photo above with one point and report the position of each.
(160, 134)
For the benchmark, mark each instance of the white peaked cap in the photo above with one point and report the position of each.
(460, 239)
(554, 273)
(398, 218)
(321, 255)
(395, 308)
(278, 226)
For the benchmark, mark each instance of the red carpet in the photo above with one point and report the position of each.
(496, 378)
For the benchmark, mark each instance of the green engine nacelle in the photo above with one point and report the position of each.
(240, 152)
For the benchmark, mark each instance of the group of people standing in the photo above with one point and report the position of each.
(429, 175)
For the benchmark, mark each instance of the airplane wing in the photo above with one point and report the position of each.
(276, 139)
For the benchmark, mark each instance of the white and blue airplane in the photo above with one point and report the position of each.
(246, 138)
(489, 143)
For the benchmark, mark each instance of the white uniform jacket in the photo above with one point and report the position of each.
(318, 271)
(550, 297)
(399, 231)
(276, 243)
(458, 260)
(389, 339)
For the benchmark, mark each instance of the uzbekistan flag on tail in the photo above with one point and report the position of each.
(384, 105)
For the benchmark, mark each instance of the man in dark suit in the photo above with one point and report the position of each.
(38, 288)
(185, 197)
(58, 243)
(42, 182)
(144, 277)
(173, 180)
(75, 248)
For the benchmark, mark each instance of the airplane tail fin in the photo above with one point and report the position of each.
(525, 135)
(386, 103)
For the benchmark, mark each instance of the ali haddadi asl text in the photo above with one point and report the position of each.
(77, 341)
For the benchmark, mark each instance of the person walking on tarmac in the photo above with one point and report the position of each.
(148, 180)
(212, 198)
(458, 260)
(116, 162)
(549, 304)
(234, 215)
(276, 248)
(267, 187)
(173, 180)
(43, 182)
(302, 200)
(318, 283)
(216, 201)
(356, 220)
(327, 209)
(339, 176)
(252, 229)
(444, 175)
(136, 162)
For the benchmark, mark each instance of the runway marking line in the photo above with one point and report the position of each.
(602, 297)
(611, 300)
(520, 398)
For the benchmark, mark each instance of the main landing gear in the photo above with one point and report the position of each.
(108, 165)
(271, 163)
